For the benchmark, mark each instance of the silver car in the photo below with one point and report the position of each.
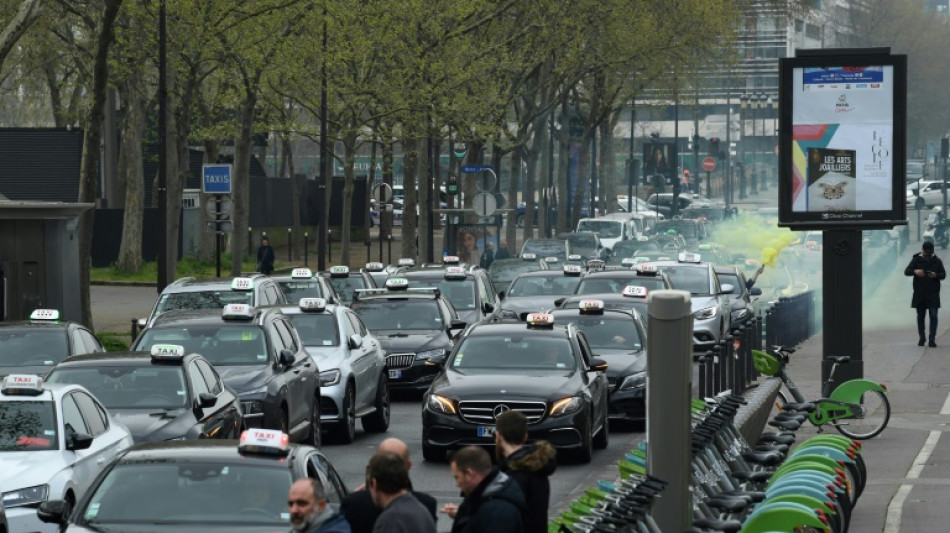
(351, 362)
(711, 304)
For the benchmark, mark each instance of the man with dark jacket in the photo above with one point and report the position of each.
(358, 506)
(309, 512)
(493, 502)
(387, 479)
(503, 252)
(927, 270)
(530, 466)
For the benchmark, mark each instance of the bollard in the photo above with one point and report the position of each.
(368, 251)
(305, 251)
(717, 369)
(135, 328)
(249, 239)
(704, 362)
(669, 360)
(389, 248)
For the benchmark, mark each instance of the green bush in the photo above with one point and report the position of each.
(114, 342)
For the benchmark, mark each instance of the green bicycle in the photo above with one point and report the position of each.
(857, 408)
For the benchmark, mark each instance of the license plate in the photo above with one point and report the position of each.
(395, 374)
(486, 431)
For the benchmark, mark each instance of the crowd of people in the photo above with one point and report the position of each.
(511, 496)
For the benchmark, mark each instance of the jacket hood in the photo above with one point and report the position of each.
(538, 458)
(503, 487)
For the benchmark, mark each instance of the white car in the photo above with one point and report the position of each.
(54, 440)
(931, 194)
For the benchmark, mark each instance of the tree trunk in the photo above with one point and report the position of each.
(25, 16)
(131, 172)
(424, 189)
(563, 167)
(286, 148)
(349, 161)
(514, 173)
(174, 183)
(409, 171)
(89, 167)
(55, 96)
(583, 179)
(547, 160)
(608, 160)
(386, 217)
(240, 213)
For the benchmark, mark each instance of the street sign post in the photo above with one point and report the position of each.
(216, 179)
(709, 164)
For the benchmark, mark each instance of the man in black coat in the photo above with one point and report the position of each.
(358, 506)
(503, 252)
(493, 502)
(927, 270)
(529, 464)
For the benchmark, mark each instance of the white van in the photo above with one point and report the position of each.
(617, 227)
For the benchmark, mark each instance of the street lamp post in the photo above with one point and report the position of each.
(767, 134)
(743, 115)
(756, 98)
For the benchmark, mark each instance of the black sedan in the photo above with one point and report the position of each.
(534, 292)
(33, 346)
(162, 395)
(258, 353)
(221, 485)
(543, 370)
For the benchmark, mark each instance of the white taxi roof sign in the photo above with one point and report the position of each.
(628, 261)
(242, 284)
(689, 257)
(647, 269)
(44, 314)
(643, 238)
(339, 270)
(22, 384)
(167, 351)
(540, 320)
(454, 272)
(313, 304)
(407, 262)
(450, 260)
(551, 259)
(572, 270)
(397, 284)
(375, 266)
(301, 273)
(264, 441)
(591, 307)
(635, 291)
(237, 311)
(574, 257)
(529, 256)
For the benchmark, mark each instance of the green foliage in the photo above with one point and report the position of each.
(114, 342)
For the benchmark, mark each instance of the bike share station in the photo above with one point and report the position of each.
(842, 131)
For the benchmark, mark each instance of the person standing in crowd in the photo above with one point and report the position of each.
(309, 512)
(488, 257)
(529, 464)
(502, 252)
(684, 181)
(927, 270)
(493, 501)
(358, 506)
(387, 480)
(265, 257)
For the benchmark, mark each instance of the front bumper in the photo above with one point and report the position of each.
(451, 432)
(331, 401)
(24, 519)
(418, 376)
(628, 405)
(705, 333)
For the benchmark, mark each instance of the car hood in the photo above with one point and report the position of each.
(411, 341)
(26, 469)
(529, 304)
(702, 302)
(327, 357)
(173, 528)
(243, 378)
(513, 385)
(148, 425)
(622, 362)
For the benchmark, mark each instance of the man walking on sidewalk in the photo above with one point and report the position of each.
(927, 270)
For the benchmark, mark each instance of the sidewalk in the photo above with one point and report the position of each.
(909, 463)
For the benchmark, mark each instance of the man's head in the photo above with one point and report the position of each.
(265, 241)
(386, 475)
(470, 466)
(398, 447)
(928, 249)
(489, 246)
(512, 427)
(306, 502)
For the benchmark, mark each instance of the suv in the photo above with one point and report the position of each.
(258, 353)
(214, 293)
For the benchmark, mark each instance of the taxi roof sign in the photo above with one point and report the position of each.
(529, 256)
(591, 307)
(450, 260)
(643, 238)
(551, 259)
(574, 257)
(454, 272)
(339, 270)
(540, 321)
(397, 284)
(313, 304)
(407, 262)
(242, 284)
(646, 269)
(264, 441)
(44, 314)
(375, 266)
(689, 257)
(635, 291)
(22, 384)
(628, 261)
(237, 311)
(572, 270)
(301, 273)
(167, 351)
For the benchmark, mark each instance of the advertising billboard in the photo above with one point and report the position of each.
(659, 159)
(841, 139)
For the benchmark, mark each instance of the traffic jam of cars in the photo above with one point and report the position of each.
(246, 378)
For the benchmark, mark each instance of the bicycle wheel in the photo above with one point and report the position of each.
(876, 411)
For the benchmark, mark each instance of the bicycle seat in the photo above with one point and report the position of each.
(805, 407)
(763, 458)
(778, 438)
(727, 526)
(787, 349)
(840, 359)
(787, 425)
(755, 477)
(729, 504)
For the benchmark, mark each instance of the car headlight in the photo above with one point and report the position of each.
(434, 357)
(741, 314)
(633, 382)
(706, 314)
(329, 377)
(28, 496)
(565, 406)
(440, 404)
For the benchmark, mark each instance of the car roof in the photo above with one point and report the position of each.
(192, 284)
(625, 314)
(512, 327)
(208, 316)
(203, 450)
(131, 358)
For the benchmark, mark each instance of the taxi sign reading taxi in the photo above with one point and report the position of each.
(709, 164)
(216, 179)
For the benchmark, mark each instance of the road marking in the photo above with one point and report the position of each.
(895, 509)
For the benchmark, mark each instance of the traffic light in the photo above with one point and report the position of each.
(714, 146)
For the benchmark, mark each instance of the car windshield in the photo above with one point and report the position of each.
(504, 271)
(231, 344)
(203, 300)
(615, 285)
(609, 333)
(684, 228)
(191, 493)
(409, 314)
(346, 287)
(585, 245)
(543, 286)
(625, 249)
(657, 255)
(605, 229)
(127, 386)
(546, 248)
(461, 292)
(297, 289)
(27, 426)
(495, 352)
(316, 329)
(38, 346)
(688, 278)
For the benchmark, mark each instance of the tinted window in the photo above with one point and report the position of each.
(220, 344)
(544, 286)
(127, 386)
(32, 346)
(28, 426)
(297, 289)
(316, 329)
(211, 379)
(616, 284)
(198, 382)
(285, 335)
(461, 292)
(346, 287)
(692, 279)
(605, 229)
(482, 352)
(203, 300)
(92, 344)
(72, 417)
(90, 413)
(609, 333)
(409, 314)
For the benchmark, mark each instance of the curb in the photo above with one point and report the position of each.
(113, 283)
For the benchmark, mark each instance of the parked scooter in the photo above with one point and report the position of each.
(936, 231)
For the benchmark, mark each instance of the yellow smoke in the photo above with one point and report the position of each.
(751, 236)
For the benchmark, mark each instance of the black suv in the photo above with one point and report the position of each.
(258, 353)
(469, 289)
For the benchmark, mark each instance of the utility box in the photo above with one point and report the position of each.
(39, 258)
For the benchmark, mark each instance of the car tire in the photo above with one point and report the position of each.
(378, 421)
(344, 431)
(283, 423)
(585, 454)
(602, 439)
(314, 438)
(433, 454)
(519, 221)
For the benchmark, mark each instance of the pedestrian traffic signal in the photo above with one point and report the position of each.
(714, 146)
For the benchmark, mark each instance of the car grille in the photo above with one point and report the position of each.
(483, 411)
(400, 360)
(612, 383)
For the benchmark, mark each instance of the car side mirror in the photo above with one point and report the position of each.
(53, 511)
(501, 295)
(737, 304)
(206, 400)
(488, 308)
(598, 364)
(355, 341)
(286, 358)
(78, 441)
(559, 301)
(727, 288)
